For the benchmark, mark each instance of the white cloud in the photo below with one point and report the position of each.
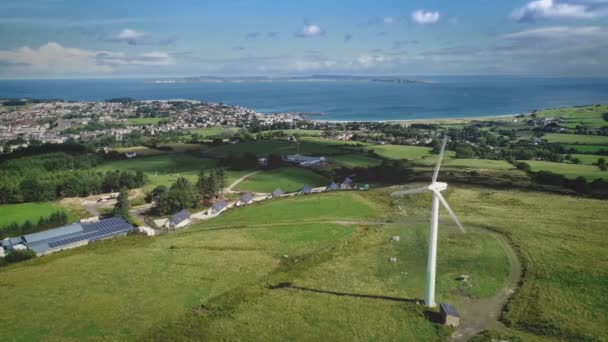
(559, 33)
(311, 31)
(53, 59)
(553, 9)
(425, 17)
(129, 36)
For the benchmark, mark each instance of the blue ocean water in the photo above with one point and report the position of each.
(446, 97)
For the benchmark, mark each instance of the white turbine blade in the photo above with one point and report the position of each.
(440, 159)
(447, 207)
(410, 191)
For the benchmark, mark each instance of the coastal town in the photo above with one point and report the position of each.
(54, 121)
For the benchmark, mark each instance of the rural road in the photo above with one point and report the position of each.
(482, 314)
(236, 182)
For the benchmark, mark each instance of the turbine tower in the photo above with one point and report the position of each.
(436, 188)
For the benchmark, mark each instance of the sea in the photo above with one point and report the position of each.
(440, 97)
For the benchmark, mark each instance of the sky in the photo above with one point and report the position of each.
(164, 39)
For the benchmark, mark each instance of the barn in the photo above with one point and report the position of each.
(178, 220)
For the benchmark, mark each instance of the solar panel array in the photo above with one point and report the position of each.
(104, 228)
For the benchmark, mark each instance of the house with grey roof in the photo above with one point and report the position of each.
(70, 236)
(276, 193)
(217, 207)
(306, 189)
(347, 184)
(244, 199)
(332, 187)
(305, 161)
(178, 220)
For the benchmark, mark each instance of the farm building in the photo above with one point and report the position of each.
(217, 207)
(276, 193)
(332, 187)
(347, 184)
(178, 220)
(146, 230)
(305, 161)
(449, 315)
(69, 236)
(306, 190)
(131, 155)
(244, 199)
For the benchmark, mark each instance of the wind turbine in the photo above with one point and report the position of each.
(436, 188)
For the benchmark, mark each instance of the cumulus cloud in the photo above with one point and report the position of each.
(554, 9)
(425, 17)
(312, 30)
(129, 36)
(54, 59)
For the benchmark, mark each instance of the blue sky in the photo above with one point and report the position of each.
(153, 38)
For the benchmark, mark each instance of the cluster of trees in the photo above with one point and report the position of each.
(47, 177)
(182, 194)
(56, 219)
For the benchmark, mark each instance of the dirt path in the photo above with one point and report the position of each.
(236, 182)
(482, 314)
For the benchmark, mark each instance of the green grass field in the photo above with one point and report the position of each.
(354, 160)
(587, 116)
(289, 179)
(586, 148)
(562, 241)
(211, 281)
(576, 139)
(20, 213)
(165, 169)
(280, 147)
(401, 151)
(588, 159)
(590, 172)
(214, 131)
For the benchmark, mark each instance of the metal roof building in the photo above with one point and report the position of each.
(75, 234)
(306, 189)
(218, 206)
(332, 187)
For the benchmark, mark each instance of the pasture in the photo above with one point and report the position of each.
(20, 213)
(221, 268)
(289, 179)
(589, 172)
(280, 147)
(590, 116)
(165, 169)
(354, 160)
(587, 159)
(586, 148)
(401, 151)
(577, 139)
(562, 245)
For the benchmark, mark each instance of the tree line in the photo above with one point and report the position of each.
(56, 219)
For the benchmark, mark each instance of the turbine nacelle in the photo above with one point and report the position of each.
(438, 186)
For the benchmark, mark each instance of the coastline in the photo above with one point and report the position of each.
(463, 119)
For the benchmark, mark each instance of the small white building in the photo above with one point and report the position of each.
(131, 154)
(2, 254)
(146, 230)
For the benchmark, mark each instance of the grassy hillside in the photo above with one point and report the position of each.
(354, 160)
(211, 280)
(20, 213)
(289, 179)
(401, 151)
(590, 172)
(564, 292)
(576, 139)
(165, 169)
